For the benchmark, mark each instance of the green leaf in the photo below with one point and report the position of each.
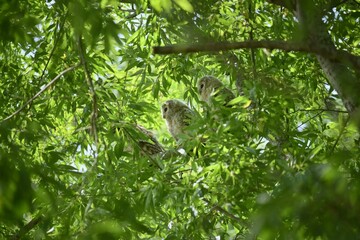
(185, 5)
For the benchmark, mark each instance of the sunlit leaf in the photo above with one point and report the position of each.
(185, 4)
(94, 156)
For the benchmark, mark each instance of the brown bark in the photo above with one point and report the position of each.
(341, 75)
(341, 68)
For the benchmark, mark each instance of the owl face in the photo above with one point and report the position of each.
(201, 85)
(206, 85)
(165, 109)
(177, 116)
(170, 107)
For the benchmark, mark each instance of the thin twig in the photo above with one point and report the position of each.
(90, 82)
(288, 4)
(183, 171)
(251, 36)
(287, 46)
(291, 5)
(343, 127)
(26, 228)
(41, 91)
(93, 115)
(316, 115)
(220, 209)
(56, 41)
(337, 4)
(319, 109)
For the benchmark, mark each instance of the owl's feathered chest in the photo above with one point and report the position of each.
(177, 122)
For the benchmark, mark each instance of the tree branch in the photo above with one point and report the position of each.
(26, 228)
(319, 109)
(336, 3)
(41, 91)
(128, 1)
(223, 211)
(250, 21)
(289, 4)
(287, 46)
(90, 82)
(342, 129)
(308, 120)
(56, 41)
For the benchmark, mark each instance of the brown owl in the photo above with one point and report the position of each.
(148, 143)
(209, 87)
(177, 116)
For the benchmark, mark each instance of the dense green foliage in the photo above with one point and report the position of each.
(285, 167)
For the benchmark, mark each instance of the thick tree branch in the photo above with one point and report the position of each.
(342, 76)
(41, 91)
(337, 55)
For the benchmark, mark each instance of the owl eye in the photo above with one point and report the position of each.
(201, 86)
(165, 109)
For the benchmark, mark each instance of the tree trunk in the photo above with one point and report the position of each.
(341, 75)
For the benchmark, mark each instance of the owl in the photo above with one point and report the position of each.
(177, 116)
(209, 87)
(148, 143)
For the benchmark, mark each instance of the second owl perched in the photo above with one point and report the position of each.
(148, 144)
(209, 87)
(177, 116)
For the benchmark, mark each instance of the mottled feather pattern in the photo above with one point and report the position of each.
(209, 86)
(149, 145)
(150, 148)
(177, 115)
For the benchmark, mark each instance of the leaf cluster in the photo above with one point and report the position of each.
(285, 166)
